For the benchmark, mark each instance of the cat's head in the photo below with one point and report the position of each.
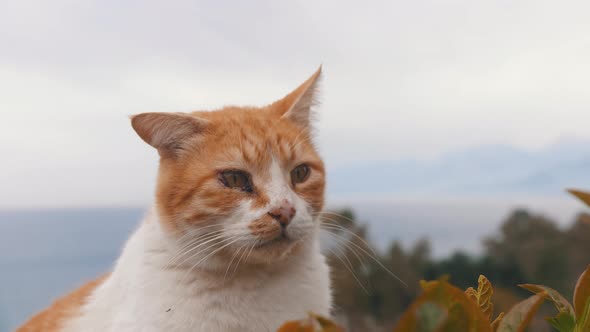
(240, 180)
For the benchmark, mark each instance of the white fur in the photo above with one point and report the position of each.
(142, 294)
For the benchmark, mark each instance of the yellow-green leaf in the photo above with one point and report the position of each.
(471, 294)
(583, 324)
(326, 324)
(425, 285)
(310, 324)
(582, 293)
(296, 326)
(562, 305)
(520, 315)
(461, 313)
(563, 322)
(431, 317)
(581, 195)
(483, 296)
(497, 321)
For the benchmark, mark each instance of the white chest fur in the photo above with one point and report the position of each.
(142, 295)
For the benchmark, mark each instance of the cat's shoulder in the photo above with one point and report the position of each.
(53, 318)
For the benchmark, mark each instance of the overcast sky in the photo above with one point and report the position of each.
(403, 79)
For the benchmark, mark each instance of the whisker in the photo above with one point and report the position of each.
(192, 239)
(208, 238)
(175, 259)
(199, 242)
(292, 147)
(302, 140)
(190, 234)
(240, 260)
(345, 243)
(250, 252)
(373, 258)
(337, 215)
(334, 223)
(240, 140)
(232, 260)
(349, 269)
(232, 241)
(223, 239)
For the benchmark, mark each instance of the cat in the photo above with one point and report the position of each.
(231, 242)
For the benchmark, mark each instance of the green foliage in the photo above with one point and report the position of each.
(561, 304)
(528, 247)
(584, 320)
(581, 195)
(456, 311)
(443, 307)
(519, 317)
(482, 296)
(582, 301)
(582, 293)
(430, 316)
(562, 322)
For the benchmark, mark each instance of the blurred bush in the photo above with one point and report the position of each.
(528, 249)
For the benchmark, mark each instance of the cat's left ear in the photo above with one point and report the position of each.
(297, 105)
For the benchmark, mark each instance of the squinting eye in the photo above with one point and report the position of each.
(236, 179)
(300, 173)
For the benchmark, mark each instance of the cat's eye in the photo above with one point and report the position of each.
(300, 173)
(236, 179)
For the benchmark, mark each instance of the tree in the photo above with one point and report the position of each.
(534, 245)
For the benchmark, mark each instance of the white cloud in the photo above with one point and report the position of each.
(402, 79)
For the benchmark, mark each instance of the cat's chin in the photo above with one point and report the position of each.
(281, 240)
(274, 250)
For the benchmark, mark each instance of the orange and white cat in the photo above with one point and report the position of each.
(231, 243)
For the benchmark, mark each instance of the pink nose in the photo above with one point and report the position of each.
(284, 213)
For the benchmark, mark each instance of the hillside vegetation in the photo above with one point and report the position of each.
(528, 248)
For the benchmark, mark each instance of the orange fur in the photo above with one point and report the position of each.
(52, 318)
(265, 228)
(244, 138)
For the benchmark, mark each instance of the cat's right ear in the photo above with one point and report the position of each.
(167, 132)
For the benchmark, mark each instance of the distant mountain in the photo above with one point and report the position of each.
(490, 169)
